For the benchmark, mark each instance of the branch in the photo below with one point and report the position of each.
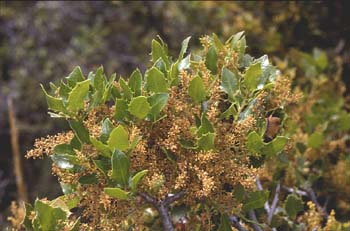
(313, 197)
(171, 199)
(235, 222)
(259, 186)
(297, 191)
(162, 207)
(252, 216)
(274, 203)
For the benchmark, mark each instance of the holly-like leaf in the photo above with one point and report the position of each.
(121, 109)
(139, 107)
(157, 103)
(196, 90)
(75, 76)
(155, 81)
(225, 224)
(65, 161)
(229, 82)
(211, 60)
(80, 131)
(117, 193)
(77, 96)
(184, 46)
(252, 76)
(206, 141)
(135, 82)
(49, 218)
(120, 168)
(315, 140)
(293, 205)
(88, 179)
(55, 104)
(254, 143)
(255, 200)
(64, 149)
(118, 139)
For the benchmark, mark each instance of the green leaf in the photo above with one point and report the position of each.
(158, 51)
(77, 96)
(320, 58)
(118, 139)
(139, 107)
(184, 46)
(157, 102)
(127, 93)
(99, 81)
(229, 82)
(120, 167)
(101, 147)
(315, 140)
(255, 200)
(88, 179)
(206, 141)
(239, 192)
(155, 81)
(75, 143)
(137, 178)
(211, 60)
(80, 131)
(187, 144)
(135, 82)
(252, 76)
(64, 91)
(217, 43)
(65, 161)
(117, 193)
(49, 218)
(104, 165)
(205, 127)
(293, 205)
(185, 63)
(225, 224)
(75, 76)
(121, 109)
(254, 143)
(28, 211)
(55, 104)
(64, 149)
(107, 127)
(196, 90)
(275, 146)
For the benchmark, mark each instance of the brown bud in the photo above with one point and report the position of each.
(273, 125)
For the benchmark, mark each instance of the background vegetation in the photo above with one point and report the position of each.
(43, 41)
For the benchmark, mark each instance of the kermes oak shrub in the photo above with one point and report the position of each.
(178, 147)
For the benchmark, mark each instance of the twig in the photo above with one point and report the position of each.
(274, 203)
(259, 186)
(21, 187)
(162, 207)
(235, 222)
(297, 191)
(313, 197)
(252, 216)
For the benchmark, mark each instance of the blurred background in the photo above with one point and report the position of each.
(40, 42)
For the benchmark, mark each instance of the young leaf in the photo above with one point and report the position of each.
(120, 167)
(135, 82)
(136, 179)
(99, 81)
(211, 60)
(80, 131)
(293, 205)
(117, 193)
(118, 139)
(104, 165)
(205, 127)
(196, 90)
(102, 148)
(127, 93)
(274, 147)
(229, 82)
(75, 76)
(139, 107)
(77, 96)
(252, 76)
(155, 81)
(107, 128)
